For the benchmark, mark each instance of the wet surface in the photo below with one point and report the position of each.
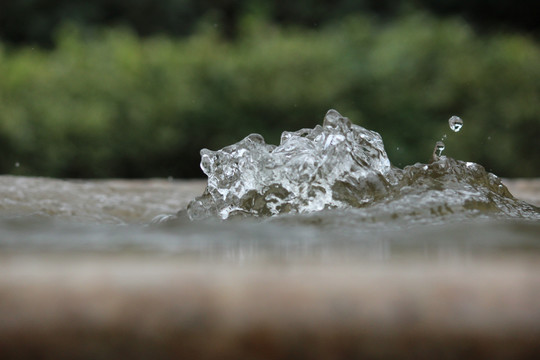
(83, 275)
(95, 201)
(49, 215)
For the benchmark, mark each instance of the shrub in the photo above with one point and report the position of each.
(106, 103)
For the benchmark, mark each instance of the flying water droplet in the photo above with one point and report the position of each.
(455, 123)
(17, 164)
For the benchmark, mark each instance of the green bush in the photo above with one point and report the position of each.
(109, 104)
(35, 21)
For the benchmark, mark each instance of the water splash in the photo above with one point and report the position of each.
(455, 123)
(310, 170)
(343, 166)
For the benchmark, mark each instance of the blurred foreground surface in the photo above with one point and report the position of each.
(154, 308)
(82, 276)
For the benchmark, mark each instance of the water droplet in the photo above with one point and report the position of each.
(439, 147)
(334, 119)
(489, 137)
(255, 138)
(207, 160)
(17, 164)
(455, 123)
(397, 148)
(444, 137)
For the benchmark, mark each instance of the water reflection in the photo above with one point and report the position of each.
(279, 241)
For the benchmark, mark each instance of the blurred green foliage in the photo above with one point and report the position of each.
(35, 21)
(106, 103)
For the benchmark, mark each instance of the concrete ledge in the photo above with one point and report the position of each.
(158, 308)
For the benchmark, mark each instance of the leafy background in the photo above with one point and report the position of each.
(133, 89)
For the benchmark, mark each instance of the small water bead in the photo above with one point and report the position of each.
(207, 161)
(439, 147)
(455, 123)
(255, 139)
(331, 117)
(334, 119)
(17, 164)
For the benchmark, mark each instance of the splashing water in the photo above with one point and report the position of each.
(456, 123)
(341, 166)
(310, 170)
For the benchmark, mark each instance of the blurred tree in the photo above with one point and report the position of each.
(521, 15)
(116, 105)
(35, 21)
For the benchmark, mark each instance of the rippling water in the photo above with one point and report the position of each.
(114, 217)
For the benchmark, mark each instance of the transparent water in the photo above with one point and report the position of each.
(455, 123)
(327, 194)
(344, 167)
